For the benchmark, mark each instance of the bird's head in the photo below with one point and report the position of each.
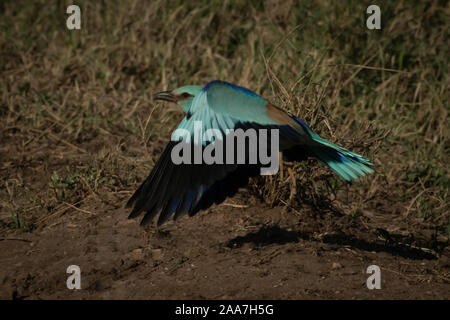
(182, 96)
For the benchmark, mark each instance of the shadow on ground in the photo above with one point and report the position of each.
(393, 244)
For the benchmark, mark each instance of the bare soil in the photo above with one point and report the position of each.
(240, 250)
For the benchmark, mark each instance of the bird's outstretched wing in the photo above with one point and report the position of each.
(177, 189)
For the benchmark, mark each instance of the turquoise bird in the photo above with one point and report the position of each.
(177, 189)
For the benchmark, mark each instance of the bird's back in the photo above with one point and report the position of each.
(237, 102)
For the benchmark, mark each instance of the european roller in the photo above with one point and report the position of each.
(175, 189)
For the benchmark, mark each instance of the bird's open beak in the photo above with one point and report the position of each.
(166, 96)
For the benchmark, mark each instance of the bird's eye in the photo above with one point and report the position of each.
(186, 95)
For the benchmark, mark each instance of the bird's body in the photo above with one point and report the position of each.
(187, 188)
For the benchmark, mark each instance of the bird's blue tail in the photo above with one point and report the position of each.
(345, 163)
(350, 166)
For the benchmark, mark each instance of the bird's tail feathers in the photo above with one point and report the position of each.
(349, 165)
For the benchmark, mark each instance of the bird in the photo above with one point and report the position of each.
(176, 189)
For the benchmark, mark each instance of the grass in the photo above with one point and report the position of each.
(78, 119)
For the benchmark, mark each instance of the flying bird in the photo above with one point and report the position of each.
(176, 189)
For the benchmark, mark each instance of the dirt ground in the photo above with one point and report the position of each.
(239, 250)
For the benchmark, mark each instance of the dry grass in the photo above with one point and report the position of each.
(78, 120)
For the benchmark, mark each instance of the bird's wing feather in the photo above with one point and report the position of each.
(187, 188)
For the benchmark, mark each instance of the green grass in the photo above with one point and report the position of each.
(382, 93)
